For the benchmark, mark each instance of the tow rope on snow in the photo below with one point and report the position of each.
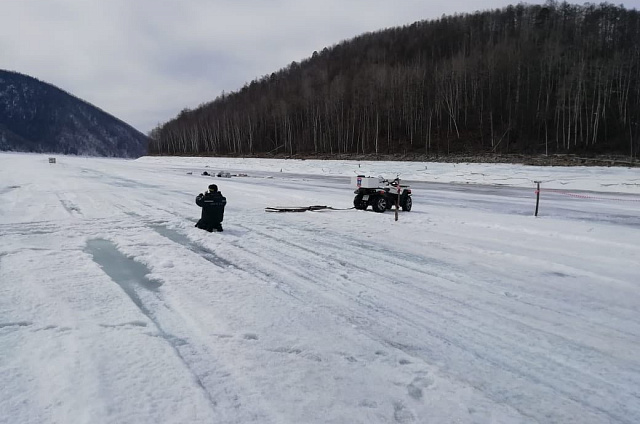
(302, 208)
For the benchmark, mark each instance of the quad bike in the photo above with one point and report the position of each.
(381, 194)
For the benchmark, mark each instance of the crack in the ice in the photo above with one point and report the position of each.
(15, 324)
(129, 274)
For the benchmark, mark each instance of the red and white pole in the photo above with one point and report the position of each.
(537, 196)
(398, 200)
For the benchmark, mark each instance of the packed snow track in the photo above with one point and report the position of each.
(114, 308)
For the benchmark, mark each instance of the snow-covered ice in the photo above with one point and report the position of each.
(468, 309)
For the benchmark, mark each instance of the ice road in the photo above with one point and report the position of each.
(468, 309)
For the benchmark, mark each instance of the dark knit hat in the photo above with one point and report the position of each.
(213, 188)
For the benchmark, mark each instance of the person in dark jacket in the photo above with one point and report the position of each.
(212, 204)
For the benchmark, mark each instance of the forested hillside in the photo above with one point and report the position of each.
(553, 78)
(37, 117)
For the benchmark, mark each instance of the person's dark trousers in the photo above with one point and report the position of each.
(209, 226)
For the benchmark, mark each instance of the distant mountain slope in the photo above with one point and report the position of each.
(38, 117)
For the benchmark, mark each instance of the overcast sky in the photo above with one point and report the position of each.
(145, 60)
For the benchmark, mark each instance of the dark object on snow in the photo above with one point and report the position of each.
(381, 194)
(302, 208)
(212, 204)
(205, 173)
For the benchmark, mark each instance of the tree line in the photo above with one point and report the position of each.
(552, 78)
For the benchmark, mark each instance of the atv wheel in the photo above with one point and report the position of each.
(358, 203)
(407, 204)
(380, 204)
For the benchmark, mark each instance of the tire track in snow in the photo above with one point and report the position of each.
(205, 254)
(460, 279)
(260, 275)
(450, 273)
(210, 256)
(131, 276)
(406, 318)
(394, 275)
(7, 189)
(28, 228)
(482, 281)
(464, 311)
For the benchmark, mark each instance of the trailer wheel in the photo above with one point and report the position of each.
(407, 204)
(380, 204)
(358, 203)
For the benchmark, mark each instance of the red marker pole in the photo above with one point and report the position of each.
(537, 196)
(398, 201)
